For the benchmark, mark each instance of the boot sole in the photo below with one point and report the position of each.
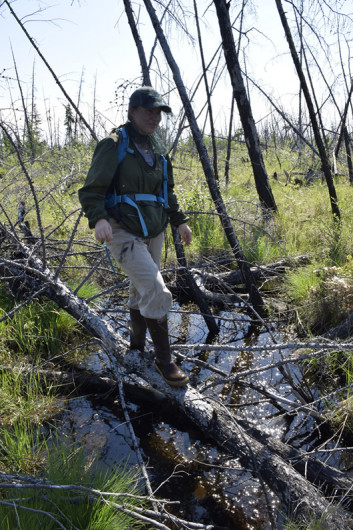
(171, 382)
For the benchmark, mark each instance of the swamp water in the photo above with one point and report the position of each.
(211, 487)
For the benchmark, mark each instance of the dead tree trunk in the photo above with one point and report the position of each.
(138, 42)
(343, 122)
(326, 168)
(347, 142)
(255, 297)
(239, 92)
(195, 293)
(208, 93)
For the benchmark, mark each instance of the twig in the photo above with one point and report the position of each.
(134, 441)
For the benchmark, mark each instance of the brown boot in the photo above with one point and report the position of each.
(170, 372)
(138, 329)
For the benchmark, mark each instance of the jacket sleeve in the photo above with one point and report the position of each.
(176, 216)
(100, 175)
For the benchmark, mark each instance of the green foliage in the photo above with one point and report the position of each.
(25, 403)
(22, 446)
(77, 503)
(208, 236)
(322, 296)
(299, 284)
(38, 329)
(24, 398)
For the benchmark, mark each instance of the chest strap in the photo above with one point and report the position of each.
(132, 199)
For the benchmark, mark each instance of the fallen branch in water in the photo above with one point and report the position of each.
(85, 494)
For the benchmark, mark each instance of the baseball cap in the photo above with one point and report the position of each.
(149, 98)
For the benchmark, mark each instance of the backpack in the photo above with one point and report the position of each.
(113, 199)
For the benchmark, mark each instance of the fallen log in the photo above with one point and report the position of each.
(84, 382)
(220, 282)
(300, 499)
(275, 462)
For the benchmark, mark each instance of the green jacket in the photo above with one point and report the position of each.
(135, 176)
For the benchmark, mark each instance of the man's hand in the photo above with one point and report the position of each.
(185, 234)
(103, 231)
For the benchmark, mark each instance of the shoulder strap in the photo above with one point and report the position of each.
(123, 147)
(165, 181)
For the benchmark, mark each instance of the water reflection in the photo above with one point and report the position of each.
(211, 487)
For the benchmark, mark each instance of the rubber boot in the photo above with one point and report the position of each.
(138, 329)
(170, 372)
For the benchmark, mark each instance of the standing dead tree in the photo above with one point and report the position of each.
(239, 92)
(138, 42)
(326, 167)
(207, 88)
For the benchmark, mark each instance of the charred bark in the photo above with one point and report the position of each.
(239, 92)
(347, 142)
(194, 291)
(326, 167)
(140, 50)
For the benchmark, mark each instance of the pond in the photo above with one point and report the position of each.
(212, 487)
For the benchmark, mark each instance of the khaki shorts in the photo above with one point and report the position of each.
(140, 259)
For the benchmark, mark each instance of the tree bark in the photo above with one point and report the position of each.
(347, 142)
(239, 92)
(208, 93)
(140, 50)
(326, 168)
(195, 293)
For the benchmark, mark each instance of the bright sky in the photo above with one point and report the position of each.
(93, 38)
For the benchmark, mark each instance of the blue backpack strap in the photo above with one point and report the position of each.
(165, 181)
(123, 148)
(118, 199)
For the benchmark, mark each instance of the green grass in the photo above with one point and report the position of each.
(63, 502)
(299, 284)
(25, 398)
(27, 404)
(38, 330)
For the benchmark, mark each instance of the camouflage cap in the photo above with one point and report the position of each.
(149, 98)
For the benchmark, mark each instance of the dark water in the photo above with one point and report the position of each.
(212, 487)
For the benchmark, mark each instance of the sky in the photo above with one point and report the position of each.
(92, 40)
